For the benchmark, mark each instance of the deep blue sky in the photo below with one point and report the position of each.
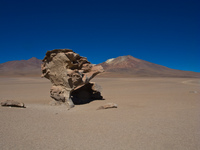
(165, 32)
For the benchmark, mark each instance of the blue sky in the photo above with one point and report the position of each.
(164, 32)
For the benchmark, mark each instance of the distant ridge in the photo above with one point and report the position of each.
(122, 66)
(131, 66)
(30, 67)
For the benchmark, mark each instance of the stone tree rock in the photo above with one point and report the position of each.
(70, 75)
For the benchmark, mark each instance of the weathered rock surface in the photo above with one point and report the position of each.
(12, 103)
(70, 75)
(107, 106)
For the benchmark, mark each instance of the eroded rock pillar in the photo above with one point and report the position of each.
(70, 75)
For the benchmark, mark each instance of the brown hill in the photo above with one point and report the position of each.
(130, 66)
(123, 66)
(31, 67)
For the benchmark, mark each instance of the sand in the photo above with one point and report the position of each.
(152, 114)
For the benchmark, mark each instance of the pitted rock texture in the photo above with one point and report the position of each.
(70, 75)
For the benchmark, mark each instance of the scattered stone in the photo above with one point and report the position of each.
(193, 92)
(12, 103)
(107, 106)
(70, 75)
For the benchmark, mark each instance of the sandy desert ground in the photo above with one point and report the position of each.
(152, 114)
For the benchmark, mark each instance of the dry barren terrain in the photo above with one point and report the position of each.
(152, 114)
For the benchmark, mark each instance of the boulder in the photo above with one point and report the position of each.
(107, 106)
(12, 103)
(70, 75)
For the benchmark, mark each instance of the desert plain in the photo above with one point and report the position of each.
(152, 114)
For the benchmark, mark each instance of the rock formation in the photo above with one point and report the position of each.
(70, 75)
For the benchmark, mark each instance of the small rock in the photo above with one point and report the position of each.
(193, 92)
(12, 103)
(107, 106)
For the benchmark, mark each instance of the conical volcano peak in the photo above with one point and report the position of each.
(122, 59)
(127, 58)
(33, 58)
(137, 67)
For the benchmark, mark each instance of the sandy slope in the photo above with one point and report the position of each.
(153, 114)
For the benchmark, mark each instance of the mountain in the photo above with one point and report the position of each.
(130, 66)
(123, 66)
(29, 67)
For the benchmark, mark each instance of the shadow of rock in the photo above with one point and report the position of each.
(86, 94)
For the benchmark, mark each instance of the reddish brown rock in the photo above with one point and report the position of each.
(70, 75)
